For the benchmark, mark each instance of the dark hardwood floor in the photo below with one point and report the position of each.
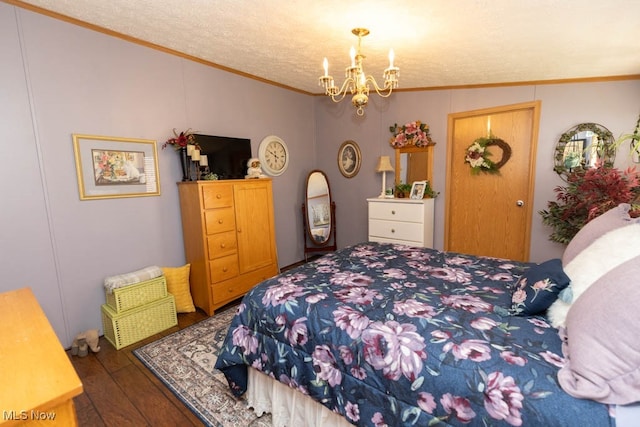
(120, 391)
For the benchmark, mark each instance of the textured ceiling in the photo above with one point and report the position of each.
(437, 43)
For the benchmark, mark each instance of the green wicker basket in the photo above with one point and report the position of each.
(136, 295)
(131, 326)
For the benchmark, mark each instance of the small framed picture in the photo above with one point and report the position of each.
(417, 189)
(349, 159)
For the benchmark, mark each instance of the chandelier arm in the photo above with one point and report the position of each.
(380, 91)
(339, 96)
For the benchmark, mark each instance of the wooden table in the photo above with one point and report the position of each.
(37, 380)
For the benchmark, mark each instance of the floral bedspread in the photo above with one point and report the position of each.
(393, 335)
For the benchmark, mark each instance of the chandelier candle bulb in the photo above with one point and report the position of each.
(352, 54)
(325, 65)
(391, 58)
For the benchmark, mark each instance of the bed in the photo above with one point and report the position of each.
(385, 334)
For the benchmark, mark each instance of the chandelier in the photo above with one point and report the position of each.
(356, 82)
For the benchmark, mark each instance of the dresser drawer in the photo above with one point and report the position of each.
(410, 231)
(219, 220)
(411, 212)
(396, 241)
(223, 268)
(217, 196)
(222, 244)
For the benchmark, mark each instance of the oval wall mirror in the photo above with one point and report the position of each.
(584, 146)
(319, 219)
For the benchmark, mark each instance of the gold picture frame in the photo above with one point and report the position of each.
(110, 167)
(349, 159)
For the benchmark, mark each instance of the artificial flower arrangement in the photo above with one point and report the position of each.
(181, 140)
(413, 133)
(590, 193)
(477, 155)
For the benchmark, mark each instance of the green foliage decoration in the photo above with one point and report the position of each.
(590, 193)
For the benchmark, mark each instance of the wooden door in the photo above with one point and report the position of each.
(489, 214)
(254, 224)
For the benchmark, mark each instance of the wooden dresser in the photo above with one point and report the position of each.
(404, 221)
(38, 382)
(229, 238)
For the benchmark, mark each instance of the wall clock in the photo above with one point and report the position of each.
(274, 155)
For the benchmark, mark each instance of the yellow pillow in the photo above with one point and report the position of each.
(178, 286)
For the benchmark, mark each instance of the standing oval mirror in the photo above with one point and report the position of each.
(584, 146)
(318, 210)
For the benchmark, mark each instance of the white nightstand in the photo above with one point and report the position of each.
(404, 221)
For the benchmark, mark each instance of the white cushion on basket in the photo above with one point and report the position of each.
(147, 273)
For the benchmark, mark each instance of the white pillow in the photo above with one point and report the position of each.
(603, 255)
(610, 220)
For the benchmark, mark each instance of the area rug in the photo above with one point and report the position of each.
(184, 361)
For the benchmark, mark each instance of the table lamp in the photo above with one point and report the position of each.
(384, 166)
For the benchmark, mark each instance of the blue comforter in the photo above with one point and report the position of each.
(393, 335)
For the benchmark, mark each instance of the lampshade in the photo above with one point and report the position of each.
(384, 164)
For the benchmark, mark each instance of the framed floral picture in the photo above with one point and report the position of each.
(110, 167)
(349, 159)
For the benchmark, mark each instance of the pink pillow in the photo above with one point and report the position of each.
(602, 347)
(610, 220)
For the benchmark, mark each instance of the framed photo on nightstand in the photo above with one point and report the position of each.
(417, 189)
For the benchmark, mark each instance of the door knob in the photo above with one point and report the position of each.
(520, 203)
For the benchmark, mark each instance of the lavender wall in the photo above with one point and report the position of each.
(58, 79)
(612, 104)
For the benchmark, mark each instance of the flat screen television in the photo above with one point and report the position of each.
(227, 156)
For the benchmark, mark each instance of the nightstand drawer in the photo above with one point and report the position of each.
(410, 212)
(411, 231)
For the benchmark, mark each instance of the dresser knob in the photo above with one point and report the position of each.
(222, 245)
(393, 212)
(224, 269)
(393, 230)
(219, 221)
(218, 196)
